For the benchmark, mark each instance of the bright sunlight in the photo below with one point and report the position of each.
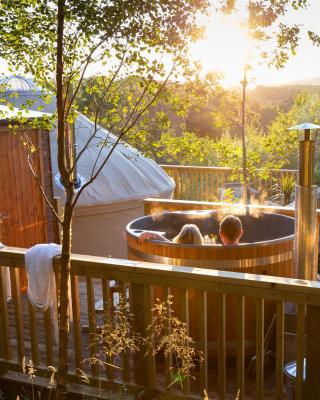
(226, 48)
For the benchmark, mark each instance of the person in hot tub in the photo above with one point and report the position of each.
(189, 234)
(230, 230)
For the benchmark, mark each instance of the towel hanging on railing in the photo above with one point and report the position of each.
(41, 279)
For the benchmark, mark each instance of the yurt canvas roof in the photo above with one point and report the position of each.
(127, 174)
(8, 113)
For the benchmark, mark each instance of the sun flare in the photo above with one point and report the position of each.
(226, 48)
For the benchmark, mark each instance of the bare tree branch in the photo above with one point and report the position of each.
(98, 112)
(33, 171)
(126, 129)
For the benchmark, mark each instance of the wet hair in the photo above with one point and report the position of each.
(231, 227)
(189, 234)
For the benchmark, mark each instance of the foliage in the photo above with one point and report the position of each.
(94, 31)
(202, 107)
(58, 41)
(283, 191)
(156, 120)
(186, 149)
(261, 157)
(117, 337)
(34, 392)
(277, 148)
(168, 334)
(213, 110)
(266, 24)
(181, 126)
(304, 109)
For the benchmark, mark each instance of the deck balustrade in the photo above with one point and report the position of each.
(203, 183)
(26, 333)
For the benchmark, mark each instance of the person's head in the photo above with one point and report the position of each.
(230, 230)
(189, 234)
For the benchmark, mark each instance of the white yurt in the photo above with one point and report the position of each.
(116, 197)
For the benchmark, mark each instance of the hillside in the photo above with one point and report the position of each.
(280, 95)
(306, 82)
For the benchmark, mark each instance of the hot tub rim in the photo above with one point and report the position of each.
(263, 243)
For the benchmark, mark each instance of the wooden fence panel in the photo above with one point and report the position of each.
(203, 183)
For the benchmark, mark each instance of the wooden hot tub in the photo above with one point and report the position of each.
(266, 248)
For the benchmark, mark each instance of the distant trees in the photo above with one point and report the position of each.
(277, 147)
(186, 114)
(306, 107)
(198, 123)
(200, 106)
(169, 131)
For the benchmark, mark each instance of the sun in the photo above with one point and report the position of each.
(226, 48)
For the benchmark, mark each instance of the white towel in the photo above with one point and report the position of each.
(41, 279)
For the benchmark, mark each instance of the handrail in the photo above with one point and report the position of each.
(204, 167)
(156, 205)
(133, 271)
(196, 167)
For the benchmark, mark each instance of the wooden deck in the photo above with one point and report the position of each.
(40, 323)
(51, 359)
(30, 335)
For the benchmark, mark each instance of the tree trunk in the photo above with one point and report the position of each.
(243, 137)
(64, 303)
(64, 168)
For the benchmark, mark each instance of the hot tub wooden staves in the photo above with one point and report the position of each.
(267, 250)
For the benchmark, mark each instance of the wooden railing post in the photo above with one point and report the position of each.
(1, 231)
(141, 304)
(5, 351)
(312, 387)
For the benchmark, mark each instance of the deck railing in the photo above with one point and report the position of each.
(156, 205)
(22, 327)
(203, 183)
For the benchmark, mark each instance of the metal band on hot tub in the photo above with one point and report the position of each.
(226, 264)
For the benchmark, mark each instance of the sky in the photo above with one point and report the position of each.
(226, 47)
